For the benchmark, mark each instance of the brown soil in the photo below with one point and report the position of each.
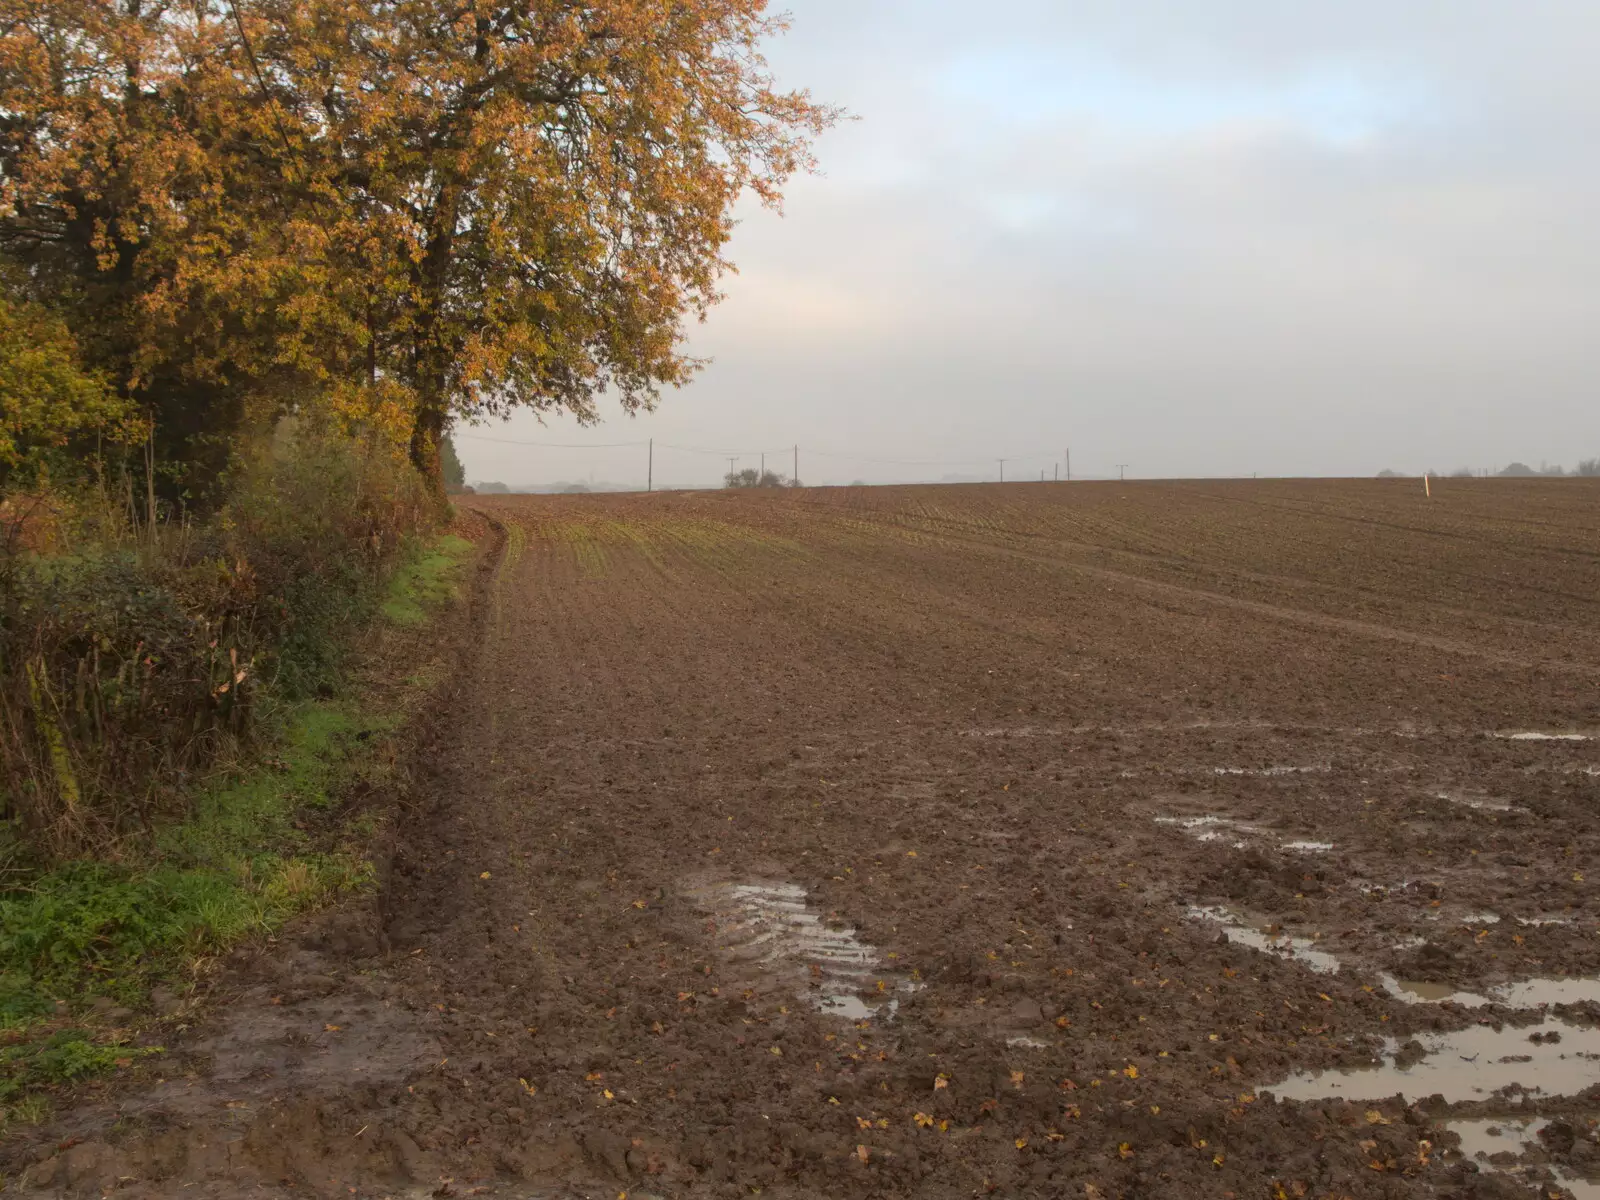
(831, 843)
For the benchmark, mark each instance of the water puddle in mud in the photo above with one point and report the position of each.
(1533, 735)
(1270, 772)
(1479, 803)
(1553, 1058)
(1269, 938)
(772, 926)
(1213, 827)
(1265, 938)
(1528, 993)
(1485, 1138)
(1210, 828)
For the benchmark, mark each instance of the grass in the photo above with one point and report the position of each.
(425, 581)
(259, 845)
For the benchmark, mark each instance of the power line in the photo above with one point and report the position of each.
(713, 452)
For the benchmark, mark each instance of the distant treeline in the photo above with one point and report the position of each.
(1518, 470)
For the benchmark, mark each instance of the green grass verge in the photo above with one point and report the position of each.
(240, 864)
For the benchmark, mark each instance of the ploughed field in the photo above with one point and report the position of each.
(1144, 840)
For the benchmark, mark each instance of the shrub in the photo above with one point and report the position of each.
(131, 659)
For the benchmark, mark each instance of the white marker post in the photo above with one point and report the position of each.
(1427, 488)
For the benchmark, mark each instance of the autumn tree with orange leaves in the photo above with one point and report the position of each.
(404, 213)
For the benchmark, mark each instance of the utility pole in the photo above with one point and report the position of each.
(1122, 471)
(650, 470)
(1069, 464)
(763, 474)
(730, 465)
(1002, 470)
(1055, 472)
(795, 478)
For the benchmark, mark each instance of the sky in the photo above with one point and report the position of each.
(1275, 237)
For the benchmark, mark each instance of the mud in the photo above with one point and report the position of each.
(718, 766)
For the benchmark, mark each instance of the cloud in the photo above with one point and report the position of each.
(1244, 235)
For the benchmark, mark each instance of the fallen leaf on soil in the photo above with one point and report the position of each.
(330, 1028)
(942, 1081)
(638, 904)
(485, 875)
(1022, 1143)
(862, 1153)
(1124, 1150)
(1016, 1079)
(1132, 1072)
(922, 1119)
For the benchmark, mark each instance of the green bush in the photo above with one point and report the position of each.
(132, 658)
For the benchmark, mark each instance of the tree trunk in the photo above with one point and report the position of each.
(427, 432)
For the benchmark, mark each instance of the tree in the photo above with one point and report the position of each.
(48, 400)
(1518, 470)
(1589, 467)
(412, 211)
(534, 194)
(752, 478)
(455, 475)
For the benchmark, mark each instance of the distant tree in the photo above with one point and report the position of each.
(1589, 467)
(752, 478)
(574, 489)
(493, 489)
(1463, 473)
(1552, 469)
(1518, 470)
(1386, 473)
(455, 475)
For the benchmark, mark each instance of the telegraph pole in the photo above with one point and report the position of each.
(763, 474)
(650, 469)
(1069, 464)
(1122, 471)
(1002, 470)
(730, 464)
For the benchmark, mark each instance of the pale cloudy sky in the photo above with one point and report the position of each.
(1297, 237)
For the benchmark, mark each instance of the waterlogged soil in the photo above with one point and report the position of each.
(1091, 840)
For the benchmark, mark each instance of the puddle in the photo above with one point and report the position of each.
(1269, 772)
(1528, 993)
(1417, 991)
(1258, 936)
(1530, 735)
(1308, 847)
(771, 925)
(1480, 803)
(1210, 828)
(1483, 1138)
(1531, 993)
(1470, 1064)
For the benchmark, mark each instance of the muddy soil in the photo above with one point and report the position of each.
(1086, 840)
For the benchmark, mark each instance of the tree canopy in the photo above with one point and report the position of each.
(409, 212)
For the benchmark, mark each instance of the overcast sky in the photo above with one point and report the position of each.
(1297, 237)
